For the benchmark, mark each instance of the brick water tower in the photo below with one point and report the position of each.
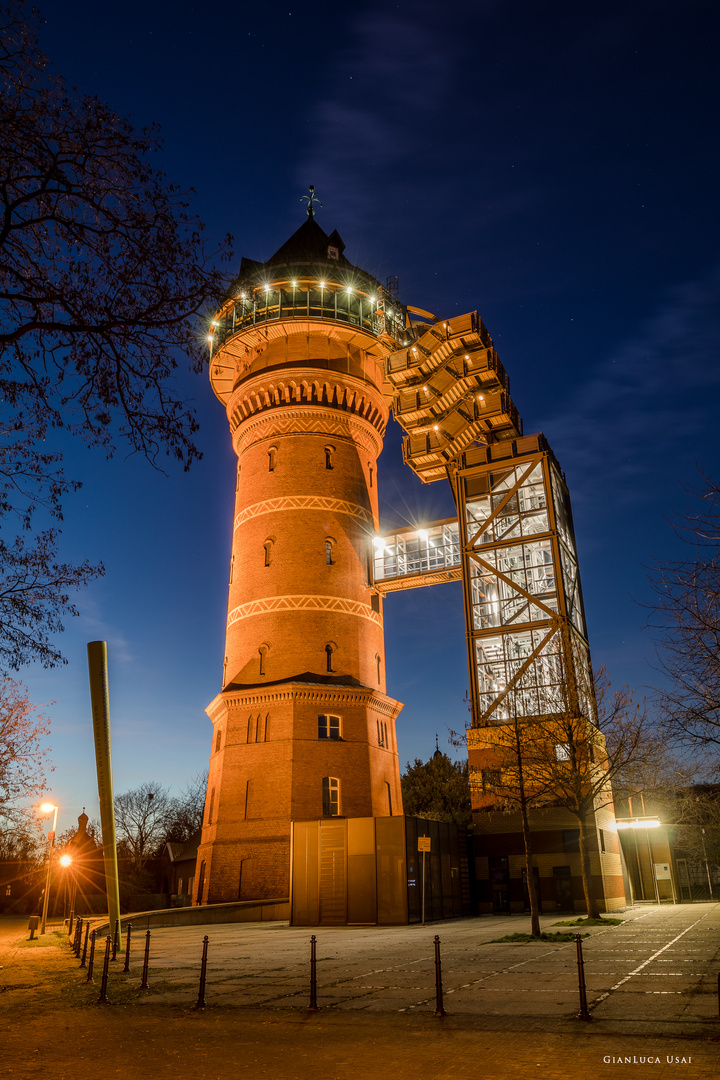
(302, 728)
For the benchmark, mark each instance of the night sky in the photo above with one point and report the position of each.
(553, 165)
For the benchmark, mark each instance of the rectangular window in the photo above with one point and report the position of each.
(562, 751)
(601, 834)
(490, 778)
(179, 886)
(328, 727)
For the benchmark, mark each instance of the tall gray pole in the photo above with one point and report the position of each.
(97, 666)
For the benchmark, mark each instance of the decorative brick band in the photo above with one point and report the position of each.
(304, 603)
(303, 502)
(308, 421)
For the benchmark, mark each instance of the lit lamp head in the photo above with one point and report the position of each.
(638, 823)
(47, 807)
(65, 860)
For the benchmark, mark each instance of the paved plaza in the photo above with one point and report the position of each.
(652, 991)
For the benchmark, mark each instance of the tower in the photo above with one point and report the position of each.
(302, 727)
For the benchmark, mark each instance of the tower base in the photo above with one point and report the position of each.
(302, 749)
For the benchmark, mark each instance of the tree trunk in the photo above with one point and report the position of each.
(593, 911)
(532, 891)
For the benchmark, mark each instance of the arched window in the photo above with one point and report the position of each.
(212, 806)
(389, 797)
(201, 883)
(237, 478)
(329, 548)
(329, 650)
(329, 451)
(218, 741)
(232, 568)
(268, 546)
(272, 456)
(370, 474)
(377, 664)
(330, 796)
(263, 651)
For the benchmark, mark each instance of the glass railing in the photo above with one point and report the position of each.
(375, 315)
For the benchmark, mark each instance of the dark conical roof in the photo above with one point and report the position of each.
(309, 243)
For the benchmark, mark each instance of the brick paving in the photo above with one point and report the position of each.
(511, 1008)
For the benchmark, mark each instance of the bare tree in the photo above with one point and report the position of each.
(103, 277)
(685, 619)
(511, 784)
(185, 812)
(23, 755)
(141, 817)
(570, 757)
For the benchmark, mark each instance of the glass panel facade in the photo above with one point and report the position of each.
(522, 582)
(538, 691)
(403, 554)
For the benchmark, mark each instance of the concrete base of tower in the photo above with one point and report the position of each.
(306, 748)
(499, 863)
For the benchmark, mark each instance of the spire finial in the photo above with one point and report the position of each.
(311, 199)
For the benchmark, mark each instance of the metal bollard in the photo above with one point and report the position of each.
(84, 952)
(127, 947)
(70, 922)
(200, 1004)
(146, 963)
(313, 1006)
(106, 964)
(91, 961)
(584, 1013)
(78, 936)
(439, 1010)
(116, 940)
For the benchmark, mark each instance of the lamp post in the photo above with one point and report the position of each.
(45, 809)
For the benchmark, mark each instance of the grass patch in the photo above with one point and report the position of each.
(590, 922)
(529, 938)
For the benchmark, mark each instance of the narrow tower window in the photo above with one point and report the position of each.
(272, 454)
(232, 568)
(212, 806)
(268, 546)
(218, 741)
(389, 797)
(330, 796)
(329, 451)
(263, 651)
(329, 650)
(377, 664)
(370, 474)
(329, 545)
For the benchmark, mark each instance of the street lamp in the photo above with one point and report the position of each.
(46, 808)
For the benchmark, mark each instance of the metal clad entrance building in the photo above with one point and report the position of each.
(368, 871)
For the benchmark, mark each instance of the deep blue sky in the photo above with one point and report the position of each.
(553, 165)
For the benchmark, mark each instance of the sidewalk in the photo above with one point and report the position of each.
(651, 982)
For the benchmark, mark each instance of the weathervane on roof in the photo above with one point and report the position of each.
(311, 199)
